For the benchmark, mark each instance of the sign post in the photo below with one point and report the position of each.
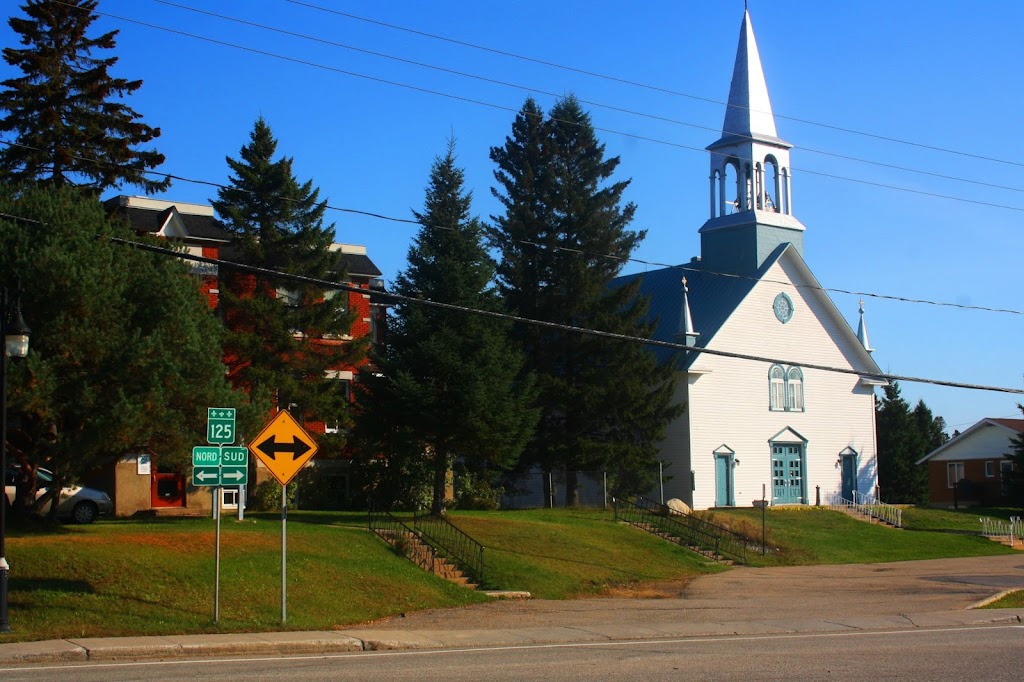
(215, 465)
(284, 447)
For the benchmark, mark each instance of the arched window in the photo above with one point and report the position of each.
(777, 388)
(795, 389)
(731, 187)
(772, 185)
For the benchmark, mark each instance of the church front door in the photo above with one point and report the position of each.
(787, 474)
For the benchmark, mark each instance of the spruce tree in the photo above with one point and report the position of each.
(285, 336)
(1014, 478)
(604, 403)
(904, 436)
(66, 112)
(448, 385)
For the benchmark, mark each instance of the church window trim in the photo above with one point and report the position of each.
(786, 389)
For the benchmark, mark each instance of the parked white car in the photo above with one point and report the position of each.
(81, 505)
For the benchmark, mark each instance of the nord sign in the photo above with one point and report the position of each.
(213, 465)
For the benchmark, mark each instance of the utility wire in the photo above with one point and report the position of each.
(588, 254)
(399, 298)
(591, 103)
(648, 86)
(501, 107)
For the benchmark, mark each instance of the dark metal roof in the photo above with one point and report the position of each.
(359, 265)
(151, 221)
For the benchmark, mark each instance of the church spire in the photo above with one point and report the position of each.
(862, 330)
(751, 194)
(749, 112)
(685, 331)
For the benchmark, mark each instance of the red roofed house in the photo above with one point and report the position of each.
(972, 467)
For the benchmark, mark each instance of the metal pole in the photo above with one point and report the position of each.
(5, 624)
(661, 481)
(241, 503)
(284, 554)
(605, 489)
(216, 563)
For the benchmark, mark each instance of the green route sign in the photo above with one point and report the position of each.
(215, 465)
(220, 425)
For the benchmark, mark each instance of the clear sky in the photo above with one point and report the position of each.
(366, 128)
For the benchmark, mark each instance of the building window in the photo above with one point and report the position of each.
(289, 297)
(786, 389)
(777, 388)
(954, 473)
(990, 469)
(795, 389)
(344, 379)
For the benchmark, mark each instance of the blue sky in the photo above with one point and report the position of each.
(938, 73)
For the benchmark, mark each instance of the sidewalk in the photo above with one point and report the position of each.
(291, 643)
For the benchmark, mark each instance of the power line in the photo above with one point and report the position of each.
(591, 103)
(399, 298)
(648, 86)
(588, 254)
(502, 107)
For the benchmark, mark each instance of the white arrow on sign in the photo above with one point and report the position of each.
(237, 475)
(203, 475)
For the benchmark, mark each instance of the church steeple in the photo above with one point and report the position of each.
(751, 195)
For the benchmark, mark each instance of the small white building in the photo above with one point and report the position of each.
(784, 422)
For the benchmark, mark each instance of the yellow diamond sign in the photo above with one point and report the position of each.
(284, 447)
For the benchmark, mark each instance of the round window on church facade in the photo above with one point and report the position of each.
(783, 307)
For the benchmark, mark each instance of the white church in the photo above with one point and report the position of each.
(783, 425)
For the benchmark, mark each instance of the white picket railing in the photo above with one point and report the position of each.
(1012, 530)
(866, 506)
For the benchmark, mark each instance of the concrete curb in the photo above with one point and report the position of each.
(329, 642)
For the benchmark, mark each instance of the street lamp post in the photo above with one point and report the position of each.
(15, 333)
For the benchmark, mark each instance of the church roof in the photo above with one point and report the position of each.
(714, 297)
(748, 114)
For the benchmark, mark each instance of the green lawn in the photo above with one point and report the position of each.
(151, 577)
(809, 535)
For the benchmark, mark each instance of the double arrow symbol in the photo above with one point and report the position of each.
(271, 447)
(207, 475)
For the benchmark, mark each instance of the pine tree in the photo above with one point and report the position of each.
(66, 112)
(904, 436)
(604, 404)
(284, 337)
(449, 386)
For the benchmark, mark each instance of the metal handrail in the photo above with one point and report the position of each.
(388, 528)
(867, 506)
(689, 530)
(452, 543)
(1013, 529)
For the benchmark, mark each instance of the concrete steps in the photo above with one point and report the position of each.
(413, 548)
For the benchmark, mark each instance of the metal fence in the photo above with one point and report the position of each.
(867, 506)
(536, 489)
(452, 544)
(1012, 530)
(688, 530)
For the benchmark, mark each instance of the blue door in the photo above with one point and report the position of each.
(787, 474)
(849, 475)
(723, 481)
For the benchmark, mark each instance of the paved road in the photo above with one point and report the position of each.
(755, 594)
(976, 653)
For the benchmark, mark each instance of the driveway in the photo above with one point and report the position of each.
(754, 594)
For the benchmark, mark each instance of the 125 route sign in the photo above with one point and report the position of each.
(220, 425)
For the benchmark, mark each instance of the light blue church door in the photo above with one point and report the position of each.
(787, 474)
(849, 475)
(723, 481)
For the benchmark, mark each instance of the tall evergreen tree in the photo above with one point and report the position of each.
(285, 336)
(448, 384)
(604, 404)
(66, 112)
(904, 436)
(125, 354)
